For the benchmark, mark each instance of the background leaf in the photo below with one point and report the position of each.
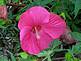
(42, 54)
(3, 58)
(54, 44)
(77, 7)
(76, 36)
(2, 22)
(76, 49)
(23, 55)
(2, 2)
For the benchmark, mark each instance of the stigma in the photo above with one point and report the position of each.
(36, 30)
(37, 33)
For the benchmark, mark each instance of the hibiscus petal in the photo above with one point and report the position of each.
(44, 40)
(28, 42)
(25, 21)
(56, 26)
(34, 16)
(39, 14)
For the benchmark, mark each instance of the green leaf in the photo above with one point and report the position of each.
(76, 59)
(46, 54)
(23, 55)
(22, 59)
(63, 15)
(77, 7)
(30, 1)
(15, 1)
(2, 2)
(3, 58)
(42, 54)
(55, 43)
(73, 1)
(27, 59)
(13, 58)
(68, 56)
(49, 58)
(2, 22)
(76, 36)
(76, 49)
(17, 18)
(43, 2)
(75, 28)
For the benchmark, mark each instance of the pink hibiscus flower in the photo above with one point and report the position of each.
(38, 28)
(3, 12)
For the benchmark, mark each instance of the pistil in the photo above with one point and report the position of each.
(37, 33)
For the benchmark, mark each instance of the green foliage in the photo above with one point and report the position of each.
(23, 55)
(27, 59)
(15, 1)
(55, 44)
(17, 18)
(42, 54)
(46, 54)
(69, 10)
(3, 58)
(76, 36)
(2, 2)
(12, 56)
(76, 49)
(77, 7)
(63, 15)
(51, 51)
(2, 22)
(9, 37)
(68, 56)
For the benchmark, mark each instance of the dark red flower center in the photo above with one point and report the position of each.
(36, 28)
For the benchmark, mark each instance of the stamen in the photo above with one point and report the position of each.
(37, 33)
